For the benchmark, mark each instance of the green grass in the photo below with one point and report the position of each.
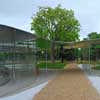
(96, 63)
(96, 68)
(56, 65)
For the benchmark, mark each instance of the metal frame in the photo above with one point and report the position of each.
(10, 39)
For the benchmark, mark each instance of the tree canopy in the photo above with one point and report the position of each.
(92, 35)
(56, 24)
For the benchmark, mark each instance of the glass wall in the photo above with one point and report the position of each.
(17, 60)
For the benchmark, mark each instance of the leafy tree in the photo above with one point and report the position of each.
(93, 35)
(55, 24)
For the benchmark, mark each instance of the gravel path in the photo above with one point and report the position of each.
(71, 84)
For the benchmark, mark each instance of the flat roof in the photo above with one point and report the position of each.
(77, 44)
(81, 44)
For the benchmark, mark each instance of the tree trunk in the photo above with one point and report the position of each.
(52, 52)
(62, 53)
(62, 59)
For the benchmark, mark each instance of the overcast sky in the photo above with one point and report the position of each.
(18, 13)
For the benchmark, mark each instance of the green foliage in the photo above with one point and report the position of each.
(97, 67)
(3, 56)
(93, 35)
(56, 24)
(97, 46)
(42, 43)
(56, 65)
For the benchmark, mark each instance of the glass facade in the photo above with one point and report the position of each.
(17, 54)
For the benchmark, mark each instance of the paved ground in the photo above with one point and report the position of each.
(71, 84)
(26, 81)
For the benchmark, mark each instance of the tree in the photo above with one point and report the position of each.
(55, 24)
(93, 35)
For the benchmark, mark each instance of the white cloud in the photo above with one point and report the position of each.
(18, 13)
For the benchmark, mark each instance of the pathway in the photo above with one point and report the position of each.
(71, 84)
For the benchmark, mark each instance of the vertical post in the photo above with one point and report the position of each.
(77, 55)
(14, 76)
(62, 55)
(27, 56)
(46, 61)
(89, 55)
(89, 58)
(13, 57)
(35, 59)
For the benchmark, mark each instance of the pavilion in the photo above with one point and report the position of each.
(17, 46)
(15, 51)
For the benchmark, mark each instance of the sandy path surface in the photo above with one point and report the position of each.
(71, 84)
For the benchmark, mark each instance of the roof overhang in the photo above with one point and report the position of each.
(10, 34)
(79, 44)
(82, 44)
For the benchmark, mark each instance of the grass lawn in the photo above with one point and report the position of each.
(96, 68)
(56, 65)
